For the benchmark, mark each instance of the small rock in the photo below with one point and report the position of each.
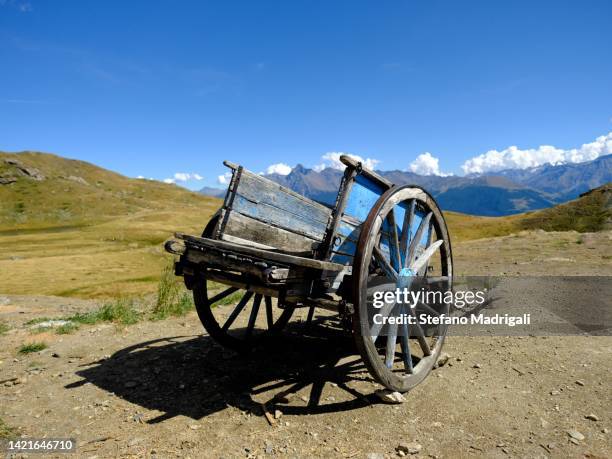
(269, 449)
(388, 396)
(477, 365)
(604, 430)
(409, 448)
(544, 423)
(443, 359)
(580, 382)
(575, 435)
(56, 355)
(331, 399)
(194, 426)
(555, 392)
(51, 324)
(375, 456)
(134, 441)
(277, 414)
(592, 417)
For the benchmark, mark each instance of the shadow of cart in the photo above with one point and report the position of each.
(194, 377)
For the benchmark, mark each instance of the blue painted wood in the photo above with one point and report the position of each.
(363, 195)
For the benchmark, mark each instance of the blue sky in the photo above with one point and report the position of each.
(154, 88)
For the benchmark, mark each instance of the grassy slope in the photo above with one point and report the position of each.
(589, 213)
(61, 201)
(103, 239)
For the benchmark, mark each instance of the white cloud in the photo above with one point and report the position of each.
(183, 177)
(224, 179)
(279, 168)
(426, 164)
(515, 158)
(332, 159)
(186, 176)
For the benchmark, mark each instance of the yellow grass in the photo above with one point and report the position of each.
(111, 259)
(103, 237)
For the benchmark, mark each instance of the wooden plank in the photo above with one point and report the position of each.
(379, 179)
(362, 198)
(262, 190)
(337, 214)
(279, 217)
(267, 255)
(242, 229)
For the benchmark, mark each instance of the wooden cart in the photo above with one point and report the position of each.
(276, 250)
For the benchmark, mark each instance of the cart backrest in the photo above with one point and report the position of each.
(359, 191)
(261, 213)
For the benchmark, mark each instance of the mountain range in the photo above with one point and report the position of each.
(505, 192)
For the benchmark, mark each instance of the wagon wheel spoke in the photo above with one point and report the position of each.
(429, 238)
(237, 310)
(391, 343)
(384, 312)
(423, 260)
(394, 240)
(253, 316)
(421, 335)
(382, 260)
(405, 345)
(406, 226)
(417, 239)
(222, 295)
(428, 308)
(269, 315)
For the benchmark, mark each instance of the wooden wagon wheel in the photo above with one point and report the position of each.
(404, 243)
(243, 303)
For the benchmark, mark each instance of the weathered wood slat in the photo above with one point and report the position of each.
(269, 255)
(243, 229)
(279, 217)
(262, 190)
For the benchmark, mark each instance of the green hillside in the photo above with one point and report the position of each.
(39, 190)
(591, 212)
(70, 228)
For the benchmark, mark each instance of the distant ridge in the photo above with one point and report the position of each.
(44, 190)
(506, 192)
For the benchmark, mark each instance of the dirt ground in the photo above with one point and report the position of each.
(165, 389)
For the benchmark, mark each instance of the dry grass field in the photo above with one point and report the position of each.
(69, 228)
(79, 230)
